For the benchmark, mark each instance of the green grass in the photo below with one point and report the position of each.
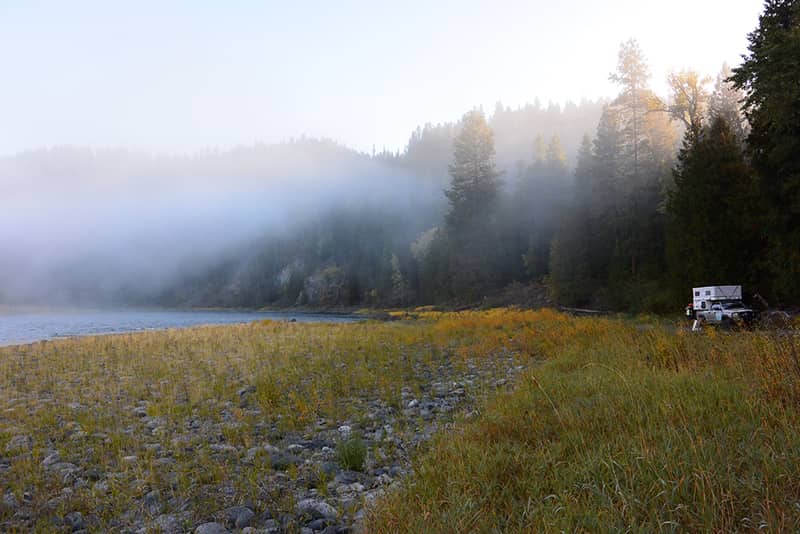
(620, 430)
(351, 453)
(610, 427)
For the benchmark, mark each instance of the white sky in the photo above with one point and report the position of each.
(185, 75)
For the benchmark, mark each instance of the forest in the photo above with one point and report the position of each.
(619, 204)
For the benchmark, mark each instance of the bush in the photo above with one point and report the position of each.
(351, 453)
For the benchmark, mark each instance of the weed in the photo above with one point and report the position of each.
(351, 453)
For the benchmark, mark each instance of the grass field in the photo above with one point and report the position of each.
(608, 426)
(620, 429)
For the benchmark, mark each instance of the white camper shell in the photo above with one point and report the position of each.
(704, 297)
(718, 305)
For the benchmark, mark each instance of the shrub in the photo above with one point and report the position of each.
(351, 453)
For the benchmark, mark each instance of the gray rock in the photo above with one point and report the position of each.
(329, 468)
(75, 521)
(152, 502)
(64, 469)
(101, 486)
(318, 524)
(19, 443)
(223, 448)
(211, 528)
(9, 502)
(239, 516)
(317, 509)
(246, 391)
(347, 477)
(347, 489)
(271, 526)
(282, 462)
(168, 524)
(50, 459)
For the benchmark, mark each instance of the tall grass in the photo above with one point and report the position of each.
(614, 425)
(621, 429)
(239, 385)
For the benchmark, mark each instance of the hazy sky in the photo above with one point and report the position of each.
(183, 75)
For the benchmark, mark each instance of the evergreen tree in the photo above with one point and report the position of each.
(710, 237)
(471, 221)
(475, 181)
(635, 99)
(647, 141)
(769, 77)
(726, 101)
(569, 260)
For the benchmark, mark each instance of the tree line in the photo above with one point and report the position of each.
(700, 187)
(619, 204)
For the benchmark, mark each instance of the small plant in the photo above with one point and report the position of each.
(351, 453)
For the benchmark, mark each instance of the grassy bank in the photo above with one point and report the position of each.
(164, 431)
(620, 429)
(500, 420)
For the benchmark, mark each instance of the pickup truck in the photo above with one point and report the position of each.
(720, 305)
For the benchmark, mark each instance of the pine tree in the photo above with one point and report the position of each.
(634, 101)
(769, 77)
(471, 222)
(726, 100)
(475, 181)
(571, 248)
(710, 236)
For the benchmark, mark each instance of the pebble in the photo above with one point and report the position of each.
(75, 521)
(246, 391)
(392, 433)
(152, 502)
(239, 516)
(223, 448)
(19, 443)
(51, 459)
(318, 524)
(271, 526)
(282, 462)
(10, 501)
(317, 509)
(168, 524)
(211, 528)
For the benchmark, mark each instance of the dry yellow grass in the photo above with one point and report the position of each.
(623, 426)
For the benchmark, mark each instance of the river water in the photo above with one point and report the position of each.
(27, 327)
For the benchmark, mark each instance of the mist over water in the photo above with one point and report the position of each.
(83, 226)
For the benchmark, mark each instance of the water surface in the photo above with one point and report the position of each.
(27, 327)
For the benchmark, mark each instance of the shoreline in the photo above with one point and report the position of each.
(51, 324)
